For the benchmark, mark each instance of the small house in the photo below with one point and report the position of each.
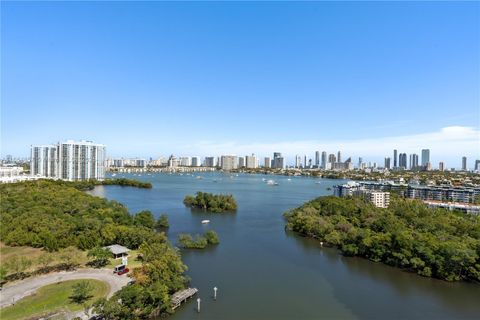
(118, 251)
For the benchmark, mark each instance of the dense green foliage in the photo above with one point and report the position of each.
(187, 241)
(431, 242)
(162, 222)
(160, 275)
(211, 202)
(55, 214)
(90, 184)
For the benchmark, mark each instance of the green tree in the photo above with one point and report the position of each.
(145, 219)
(162, 222)
(81, 292)
(100, 256)
(212, 237)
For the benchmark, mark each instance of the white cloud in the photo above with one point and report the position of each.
(447, 143)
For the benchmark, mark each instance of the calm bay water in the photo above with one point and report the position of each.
(264, 272)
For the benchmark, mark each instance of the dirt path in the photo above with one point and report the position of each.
(15, 291)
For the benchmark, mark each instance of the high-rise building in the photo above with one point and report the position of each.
(278, 161)
(339, 156)
(69, 160)
(441, 166)
(229, 162)
(210, 162)
(360, 161)
(464, 163)
(324, 159)
(241, 162)
(425, 157)
(44, 161)
(413, 161)
(305, 161)
(402, 160)
(331, 158)
(298, 161)
(477, 165)
(395, 163)
(317, 159)
(81, 160)
(387, 163)
(196, 162)
(251, 161)
(267, 162)
(185, 161)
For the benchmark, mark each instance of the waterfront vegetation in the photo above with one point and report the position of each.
(187, 241)
(55, 298)
(209, 202)
(431, 242)
(123, 182)
(66, 223)
(54, 215)
(160, 275)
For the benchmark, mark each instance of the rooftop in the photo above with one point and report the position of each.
(117, 249)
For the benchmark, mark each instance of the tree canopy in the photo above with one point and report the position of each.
(56, 214)
(210, 202)
(432, 242)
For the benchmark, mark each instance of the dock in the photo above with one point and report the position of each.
(182, 296)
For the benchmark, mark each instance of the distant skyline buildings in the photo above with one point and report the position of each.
(319, 160)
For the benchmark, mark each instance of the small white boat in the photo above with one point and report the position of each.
(205, 221)
(272, 183)
(113, 175)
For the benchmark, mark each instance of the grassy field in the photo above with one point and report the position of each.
(133, 261)
(52, 298)
(33, 254)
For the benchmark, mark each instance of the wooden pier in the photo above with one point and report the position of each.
(182, 296)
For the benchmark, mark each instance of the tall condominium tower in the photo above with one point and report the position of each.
(210, 162)
(317, 159)
(395, 163)
(69, 160)
(402, 160)
(229, 162)
(81, 160)
(298, 161)
(44, 161)
(414, 161)
(441, 166)
(339, 156)
(324, 159)
(464, 163)
(425, 157)
(251, 161)
(387, 163)
(278, 161)
(267, 162)
(331, 158)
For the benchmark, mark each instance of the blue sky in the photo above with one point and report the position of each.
(150, 79)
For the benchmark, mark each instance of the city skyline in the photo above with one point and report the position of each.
(217, 83)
